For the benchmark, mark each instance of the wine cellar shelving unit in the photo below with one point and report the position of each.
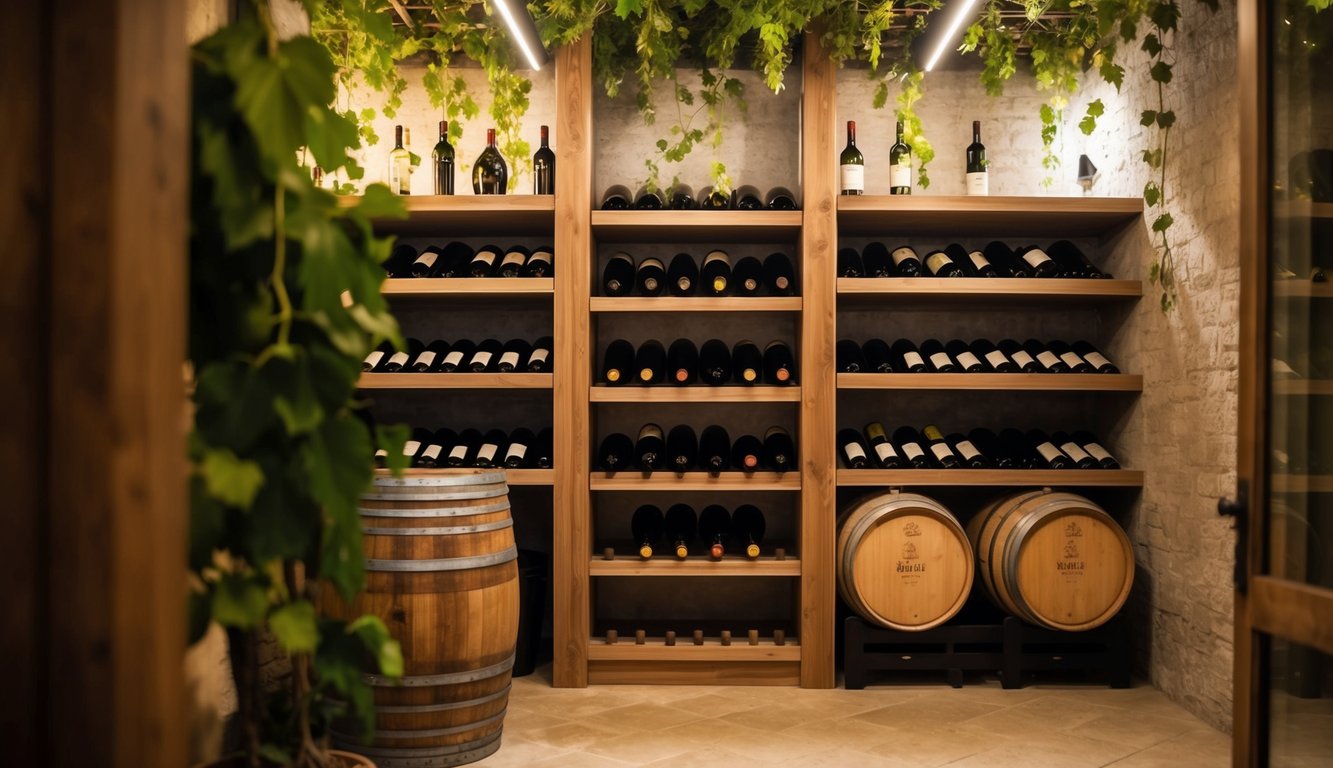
(800, 647)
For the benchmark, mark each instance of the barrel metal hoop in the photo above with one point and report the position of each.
(484, 509)
(451, 678)
(489, 491)
(443, 480)
(443, 564)
(450, 731)
(419, 708)
(427, 757)
(498, 525)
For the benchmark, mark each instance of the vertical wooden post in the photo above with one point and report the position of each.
(819, 240)
(572, 544)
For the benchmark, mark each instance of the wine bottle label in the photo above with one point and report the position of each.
(484, 257)
(650, 430)
(1036, 257)
(716, 256)
(941, 451)
(411, 447)
(940, 359)
(458, 452)
(543, 256)
(912, 451)
(977, 184)
(913, 359)
(509, 359)
(482, 358)
(853, 451)
(432, 451)
(885, 451)
(373, 359)
(1072, 360)
(902, 254)
(1047, 358)
(967, 450)
(968, 360)
(1023, 359)
(1097, 360)
(487, 452)
(1076, 453)
(1097, 451)
(399, 359)
(539, 355)
(853, 177)
(937, 261)
(979, 260)
(381, 454)
(427, 259)
(1048, 452)
(900, 175)
(426, 359)
(453, 358)
(996, 358)
(515, 258)
(517, 451)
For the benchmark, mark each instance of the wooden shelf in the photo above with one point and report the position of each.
(470, 288)
(695, 304)
(1003, 289)
(1302, 289)
(695, 481)
(664, 565)
(1281, 483)
(1302, 209)
(1300, 387)
(697, 226)
(1074, 382)
(695, 394)
(656, 649)
(512, 476)
(458, 215)
(1088, 478)
(455, 381)
(960, 215)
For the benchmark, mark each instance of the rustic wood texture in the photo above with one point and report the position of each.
(699, 394)
(1293, 611)
(472, 215)
(695, 304)
(1076, 382)
(456, 381)
(959, 215)
(696, 481)
(479, 289)
(661, 565)
(916, 290)
(648, 671)
(712, 649)
(696, 226)
(1087, 478)
(512, 476)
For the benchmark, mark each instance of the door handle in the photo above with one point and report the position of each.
(1238, 509)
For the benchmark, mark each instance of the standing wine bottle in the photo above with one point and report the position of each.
(681, 528)
(486, 357)
(940, 361)
(905, 261)
(962, 354)
(746, 198)
(681, 197)
(747, 453)
(990, 447)
(911, 447)
(1042, 265)
(854, 453)
(1072, 260)
(1018, 448)
(617, 198)
(682, 363)
(1049, 453)
(1050, 362)
(682, 448)
(747, 529)
(941, 264)
(713, 199)
(968, 453)
(850, 264)
(715, 362)
(716, 272)
(876, 261)
(780, 199)
(615, 451)
(415, 444)
(646, 526)
(747, 362)
(714, 449)
(520, 446)
(778, 274)
(977, 182)
(908, 358)
(900, 165)
(848, 357)
(714, 525)
(682, 275)
(939, 448)
(995, 359)
(650, 363)
(884, 453)
(377, 357)
(1098, 361)
(456, 359)
(544, 455)
(485, 261)
(878, 356)
(1021, 357)
(779, 366)
(514, 259)
(852, 165)
(747, 276)
(650, 278)
(543, 167)
(490, 174)
(400, 165)
(512, 355)
(427, 263)
(399, 263)
(649, 198)
(540, 264)
(618, 275)
(779, 450)
(1081, 458)
(618, 362)
(650, 448)
(539, 359)
(1002, 256)
(398, 361)
(1095, 449)
(464, 449)
(426, 361)
(443, 156)
(975, 263)
(1070, 358)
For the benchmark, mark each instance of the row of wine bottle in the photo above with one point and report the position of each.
(979, 449)
(462, 356)
(980, 356)
(520, 449)
(713, 364)
(680, 450)
(460, 260)
(681, 197)
(851, 164)
(714, 529)
(490, 173)
(1061, 259)
(683, 277)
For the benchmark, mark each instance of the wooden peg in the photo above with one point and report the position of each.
(779, 637)
(639, 636)
(612, 636)
(726, 637)
(698, 637)
(609, 553)
(754, 636)
(670, 637)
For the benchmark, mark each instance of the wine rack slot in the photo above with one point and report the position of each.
(731, 565)
(456, 381)
(1083, 382)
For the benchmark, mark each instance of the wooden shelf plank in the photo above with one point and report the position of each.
(1302, 209)
(1080, 382)
(695, 394)
(656, 649)
(695, 481)
(890, 290)
(512, 476)
(1120, 478)
(455, 381)
(479, 288)
(1282, 483)
(452, 215)
(695, 304)
(1302, 289)
(732, 565)
(960, 215)
(1301, 387)
(697, 226)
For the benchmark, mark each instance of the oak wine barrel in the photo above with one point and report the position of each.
(1056, 560)
(903, 561)
(441, 572)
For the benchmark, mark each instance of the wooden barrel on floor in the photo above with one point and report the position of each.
(903, 561)
(1056, 560)
(441, 572)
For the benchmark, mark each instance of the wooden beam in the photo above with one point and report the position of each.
(402, 13)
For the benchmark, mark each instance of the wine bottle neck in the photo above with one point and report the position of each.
(398, 137)
(490, 137)
(545, 137)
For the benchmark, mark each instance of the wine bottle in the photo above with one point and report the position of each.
(852, 165)
(437, 450)
(714, 449)
(878, 356)
(650, 448)
(1081, 458)
(615, 451)
(1018, 447)
(1070, 358)
(1072, 261)
(746, 198)
(513, 261)
(884, 453)
(457, 256)
(1042, 265)
(488, 453)
(911, 447)
(779, 366)
(415, 444)
(1021, 357)
(650, 278)
(779, 450)
(907, 357)
(519, 449)
(977, 182)
(543, 167)
(377, 357)
(484, 261)
(1098, 361)
(905, 261)
(682, 362)
(649, 198)
(1095, 449)
(746, 453)
(400, 358)
(618, 276)
(400, 165)
(941, 264)
(540, 264)
(681, 526)
(545, 454)
(990, 447)
(1049, 453)
(713, 199)
(512, 355)
(486, 357)
(900, 165)
(399, 263)
(464, 448)
(650, 363)
(443, 156)
(850, 264)
(975, 263)
(426, 360)
(747, 276)
(967, 452)
(747, 529)
(994, 359)
(876, 261)
(490, 174)
(1002, 256)
(427, 263)
(848, 357)
(854, 452)
(939, 447)
(940, 361)
(646, 526)
(780, 199)
(715, 362)
(681, 197)
(682, 275)
(714, 525)
(456, 359)
(778, 274)
(747, 362)
(716, 272)
(539, 359)
(962, 353)
(1049, 361)
(617, 198)
(682, 448)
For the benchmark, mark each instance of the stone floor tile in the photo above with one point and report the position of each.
(1204, 747)
(643, 716)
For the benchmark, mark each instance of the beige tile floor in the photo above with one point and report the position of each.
(894, 726)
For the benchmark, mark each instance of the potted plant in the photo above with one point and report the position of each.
(280, 449)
